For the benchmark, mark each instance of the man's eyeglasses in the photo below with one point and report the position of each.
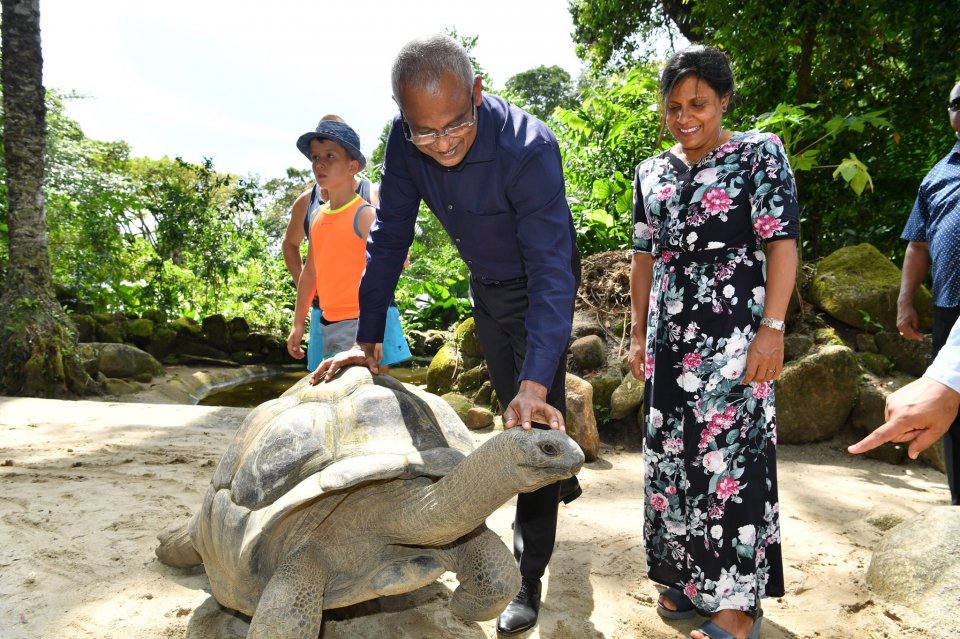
(455, 130)
(954, 104)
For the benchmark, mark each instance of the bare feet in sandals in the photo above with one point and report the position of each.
(729, 624)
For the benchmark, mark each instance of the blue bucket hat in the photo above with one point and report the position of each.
(340, 133)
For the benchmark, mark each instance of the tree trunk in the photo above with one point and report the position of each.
(38, 344)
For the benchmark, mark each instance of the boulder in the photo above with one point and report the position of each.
(443, 370)
(627, 397)
(121, 360)
(909, 356)
(484, 395)
(876, 363)
(868, 412)
(215, 330)
(155, 315)
(604, 384)
(867, 343)
(581, 424)
(119, 387)
(460, 404)
(140, 332)
(917, 564)
(186, 326)
(816, 394)
(239, 330)
(466, 338)
(588, 352)
(859, 286)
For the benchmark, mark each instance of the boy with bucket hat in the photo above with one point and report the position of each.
(336, 256)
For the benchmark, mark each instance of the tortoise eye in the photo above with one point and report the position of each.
(550, 448)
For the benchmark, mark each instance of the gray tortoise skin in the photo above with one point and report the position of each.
(359, 488)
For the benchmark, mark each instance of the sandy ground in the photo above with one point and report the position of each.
(86, 486)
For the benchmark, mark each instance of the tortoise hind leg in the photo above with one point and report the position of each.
(291, 606)
(176, 548)
(488, 574)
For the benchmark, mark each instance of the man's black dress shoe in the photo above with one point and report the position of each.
(521, 613)
(570, 489)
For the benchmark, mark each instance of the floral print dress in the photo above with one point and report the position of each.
(711, 515)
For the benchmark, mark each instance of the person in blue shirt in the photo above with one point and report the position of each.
(493, 176)
(933, 235)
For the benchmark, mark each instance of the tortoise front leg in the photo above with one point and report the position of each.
(291, 606)
(488, 574)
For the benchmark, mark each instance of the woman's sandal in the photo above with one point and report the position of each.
(713, 631)
(684, 608)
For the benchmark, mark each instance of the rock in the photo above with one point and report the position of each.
(143, 378)
(215, 330)
(627, 397)
(859, 286)
(484, 395)
(109, 329)
(155, 315)
(934, 456)
(581, 423)
(140, 332)
(868, 412)
(588, 352)
(917, 563)
(425, 343)
(443, 370)
(796, 345)
(86, 327)
(866, 343)
(827, 336)
(246, 357)
(910, 356)
(603, 385)
(585, 323)
(162, 343)
(119, 387)
(239, 330)
(466, 338)
(479, 418)
(472, 378)
(816, 394)
(876, 363)
(186, 326)
(122, 360)
(460, 404)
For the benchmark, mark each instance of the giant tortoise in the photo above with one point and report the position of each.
(361, 487)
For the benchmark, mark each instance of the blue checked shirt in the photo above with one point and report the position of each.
(935, 219)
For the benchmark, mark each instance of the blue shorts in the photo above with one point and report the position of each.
(395, 349)
(315, 340)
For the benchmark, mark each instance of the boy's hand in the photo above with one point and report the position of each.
(293, 343)
(361, 353)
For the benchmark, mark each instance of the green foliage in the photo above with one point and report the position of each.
(541, 90)
(602, 141)
(858, 57)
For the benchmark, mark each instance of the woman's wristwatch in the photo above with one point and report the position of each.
(775, 324)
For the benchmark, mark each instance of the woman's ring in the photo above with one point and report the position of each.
(771, 370)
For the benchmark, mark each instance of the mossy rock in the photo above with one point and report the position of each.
(86, 327)
(111, 333)
(237, 326)
(603, 388)
(859, 286)
(443, 370)
(909, 356)
(466, 338)
(876, 363)
(627, 397)
(162, 343)
(460, 404)
(214, 328)
(827, 337)
(246, 357)
(472, 378)
(484, 396)
(140, 331)
(186, 326)
(155, 315)
(588, 352)
(816, 394)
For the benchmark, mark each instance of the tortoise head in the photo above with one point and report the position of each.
(536, 458)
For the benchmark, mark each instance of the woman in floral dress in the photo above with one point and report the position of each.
(715, 228)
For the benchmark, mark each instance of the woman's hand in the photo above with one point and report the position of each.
(764, 356)
(637, 355)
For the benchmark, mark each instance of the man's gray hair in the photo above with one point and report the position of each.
(423, 60)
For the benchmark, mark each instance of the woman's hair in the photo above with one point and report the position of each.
(706, 63)
(422, 61)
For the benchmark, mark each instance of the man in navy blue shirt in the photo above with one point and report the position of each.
(933, 233)
(492, 174)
